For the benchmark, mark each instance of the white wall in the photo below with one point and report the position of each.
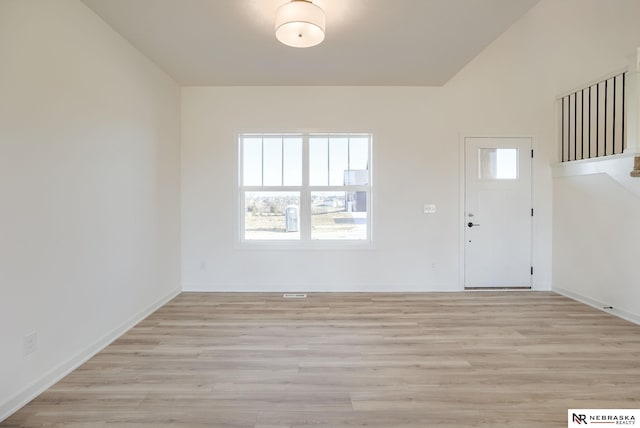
(511, 87)
(596, 207)
(508, 90)
(89, 189)
(416, 133)
(559, 46)
(89, 177)
(412, 164)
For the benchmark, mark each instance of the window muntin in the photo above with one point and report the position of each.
(272, 161)
(305, 187)
(331, 157)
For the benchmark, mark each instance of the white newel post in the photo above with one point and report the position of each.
(633, 111)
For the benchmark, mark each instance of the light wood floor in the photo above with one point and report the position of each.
(515, 359)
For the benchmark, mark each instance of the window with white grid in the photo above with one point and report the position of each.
(305, 188)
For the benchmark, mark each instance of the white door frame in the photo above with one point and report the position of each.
(462, 193)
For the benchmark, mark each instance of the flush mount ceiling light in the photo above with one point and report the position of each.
(300, 24)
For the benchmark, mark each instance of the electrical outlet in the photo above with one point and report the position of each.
(30, 344)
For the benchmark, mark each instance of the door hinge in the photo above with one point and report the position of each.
(531, 153)
(531, 270)
(531, 212)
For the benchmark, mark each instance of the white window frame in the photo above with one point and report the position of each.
(305, 190)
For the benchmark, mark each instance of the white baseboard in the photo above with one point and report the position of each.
(625, 315)
(318, 288)
(543, 286)
(51, 377)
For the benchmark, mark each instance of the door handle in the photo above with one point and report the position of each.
(470, 224)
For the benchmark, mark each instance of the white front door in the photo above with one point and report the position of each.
(497, 213)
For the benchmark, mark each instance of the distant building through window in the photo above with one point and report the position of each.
(305, 187)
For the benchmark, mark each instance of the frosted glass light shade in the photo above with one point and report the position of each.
(300, 24)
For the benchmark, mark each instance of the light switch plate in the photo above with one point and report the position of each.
(429, 208)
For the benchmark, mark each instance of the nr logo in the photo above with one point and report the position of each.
(579, 419)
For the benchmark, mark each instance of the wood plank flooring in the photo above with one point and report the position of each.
(473, 359)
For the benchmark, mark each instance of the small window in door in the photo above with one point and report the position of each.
(498, 164)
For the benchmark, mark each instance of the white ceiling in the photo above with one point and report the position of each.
(368, 42)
